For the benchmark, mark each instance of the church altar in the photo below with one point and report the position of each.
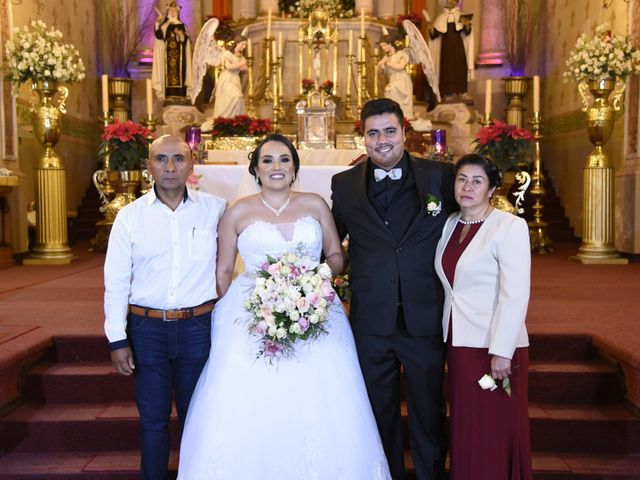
(235, 181)
(326, 157)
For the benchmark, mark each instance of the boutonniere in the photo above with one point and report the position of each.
(433, 205)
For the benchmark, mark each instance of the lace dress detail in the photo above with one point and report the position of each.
(307, 417)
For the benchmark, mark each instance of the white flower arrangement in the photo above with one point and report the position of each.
(304, 8)
(603, 56)
(35, 53)
(487, 382)
(290, 302)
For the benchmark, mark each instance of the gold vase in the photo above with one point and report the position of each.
(515, 88)
(500, 199)
(125, 184)
(51, 203)
(597, 230)
(120, 95)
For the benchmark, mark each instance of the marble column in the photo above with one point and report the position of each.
(491, 49)
(385, 10)
(627, 179)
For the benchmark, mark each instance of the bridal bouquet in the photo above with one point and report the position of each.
(290, 302)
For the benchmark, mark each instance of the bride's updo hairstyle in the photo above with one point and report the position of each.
(254, 156)
(484, 162)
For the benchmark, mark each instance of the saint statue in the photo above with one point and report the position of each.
(452, 51)
(171, 73)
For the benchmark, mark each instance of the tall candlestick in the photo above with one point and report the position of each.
(359, 50)
(536, 93)
(335, 68)
(362, 22)
(280, 44)
(105, 93)
(350, 42)
(269, 24)
(149, 98)
(487, 98)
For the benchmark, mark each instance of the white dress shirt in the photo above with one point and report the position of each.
(160, 258)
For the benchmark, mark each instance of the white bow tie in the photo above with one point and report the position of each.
(394, 174)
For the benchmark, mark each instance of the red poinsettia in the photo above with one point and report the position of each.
(240, 126)
(327, 86)
(127, 144)
(508, 145)
(308, 85)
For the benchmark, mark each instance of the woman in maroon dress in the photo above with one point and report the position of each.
(484, 262)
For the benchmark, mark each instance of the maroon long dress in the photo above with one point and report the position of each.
(489, 432)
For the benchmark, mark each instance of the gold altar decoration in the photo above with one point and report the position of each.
(233, 143)
(515, 88)
(51, 202)
(540, 241)
(120, 96)
(597, 231)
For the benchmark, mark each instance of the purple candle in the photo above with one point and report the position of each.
(192, 137)
(439, 140)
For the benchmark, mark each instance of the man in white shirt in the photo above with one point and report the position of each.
(160, 288)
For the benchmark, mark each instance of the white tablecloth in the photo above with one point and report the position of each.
(329, 157)
(234, 181)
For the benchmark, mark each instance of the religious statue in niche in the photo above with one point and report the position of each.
(395, 60)
(227, 97)
(452, 51)
(171, 72)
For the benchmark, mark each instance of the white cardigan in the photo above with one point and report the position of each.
(490, 293)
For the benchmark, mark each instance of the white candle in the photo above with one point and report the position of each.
(536, 93)
(105, 93)
(350, 42)
(280, 44)
(274, 51)
(487, 98)
(249, 48)
(269, 24)
(359, 50)
(149, 98)
(362, 22)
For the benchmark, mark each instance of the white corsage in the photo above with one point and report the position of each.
(433, 205)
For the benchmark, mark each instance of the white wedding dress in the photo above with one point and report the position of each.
(305, 417)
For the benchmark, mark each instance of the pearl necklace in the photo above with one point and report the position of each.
(278, 211)
(470, 222)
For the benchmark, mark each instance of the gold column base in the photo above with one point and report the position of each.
(51, 219)
(540, 241)
(597, 239)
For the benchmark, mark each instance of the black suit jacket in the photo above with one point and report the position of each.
(379, 261)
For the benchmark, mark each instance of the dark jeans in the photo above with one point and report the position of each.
(169, 357)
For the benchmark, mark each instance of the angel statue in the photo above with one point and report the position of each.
(396, 58)
(228, 99)
(171, 71)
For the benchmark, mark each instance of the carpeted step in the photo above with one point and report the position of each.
(113, 465)
(75, 428)
(543, 347)
(77, 383)
(124, 465)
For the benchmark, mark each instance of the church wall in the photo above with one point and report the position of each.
(565, 144)
(80, 128)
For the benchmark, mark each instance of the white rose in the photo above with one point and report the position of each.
(295, 329)
(313, 318)
(294, 315)
(272, 331)
(487, 383)
(281, 333)
(324, 271)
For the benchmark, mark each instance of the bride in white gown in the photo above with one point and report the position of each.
(303, 417)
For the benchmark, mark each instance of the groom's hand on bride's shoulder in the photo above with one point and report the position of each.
(122, 360)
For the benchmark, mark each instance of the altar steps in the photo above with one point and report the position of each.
(79, 420)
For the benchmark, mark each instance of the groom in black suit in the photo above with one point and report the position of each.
(393, 208)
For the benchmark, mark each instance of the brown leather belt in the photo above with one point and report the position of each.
(171, 315)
